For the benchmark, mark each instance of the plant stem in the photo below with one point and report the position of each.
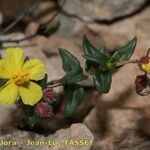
(148, 52)
(20, 17)
(56, 83)
(122, 63)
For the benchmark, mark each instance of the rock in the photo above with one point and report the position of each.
(144, 122)
(101, 34)
(60, 140)
(112, 38)
(102, 9)
(132, 141)
(123, 133)
(72, 29)
(103, 144)
(79, 13)
(128, 141)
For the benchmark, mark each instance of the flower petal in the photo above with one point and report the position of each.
(8, 93)
(15, 56)
(30, 94)
(35, 68)
(4, 70)
(146, 68)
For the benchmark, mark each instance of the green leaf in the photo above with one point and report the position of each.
(124, 53)
(88, 50)
(70, 79)
(33, 120)
(43, 81)
(74, 96)
(98, 58)
(88, 47)
(90, 64)
(31, 116)
(72, 67)
(102, 81)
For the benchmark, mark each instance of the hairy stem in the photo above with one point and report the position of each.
(122, 63)
(57, 83)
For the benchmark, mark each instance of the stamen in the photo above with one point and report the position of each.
(21, 78)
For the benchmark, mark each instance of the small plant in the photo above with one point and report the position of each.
(23, 81)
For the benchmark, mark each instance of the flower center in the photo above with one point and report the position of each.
(21, 78)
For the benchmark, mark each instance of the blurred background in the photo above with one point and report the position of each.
(119, 120)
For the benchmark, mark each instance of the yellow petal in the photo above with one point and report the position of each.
(35, 68)
(30, 94)
(5, 73)
(8, 93)
(15, 56)
(146, 67)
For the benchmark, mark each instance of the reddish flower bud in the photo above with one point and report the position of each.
(142, 85)
(144, 64)
(144, 60)
(44, 110)
(50, 95)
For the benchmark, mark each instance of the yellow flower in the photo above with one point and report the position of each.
(144, 64)
(146, 67)
(20, 74)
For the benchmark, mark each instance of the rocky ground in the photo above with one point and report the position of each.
(119, 120)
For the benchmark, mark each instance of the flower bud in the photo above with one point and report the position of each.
(142, 85)
(48, 28)
(144, 60)
(44, 110)
(144, 64)
(50, 95)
